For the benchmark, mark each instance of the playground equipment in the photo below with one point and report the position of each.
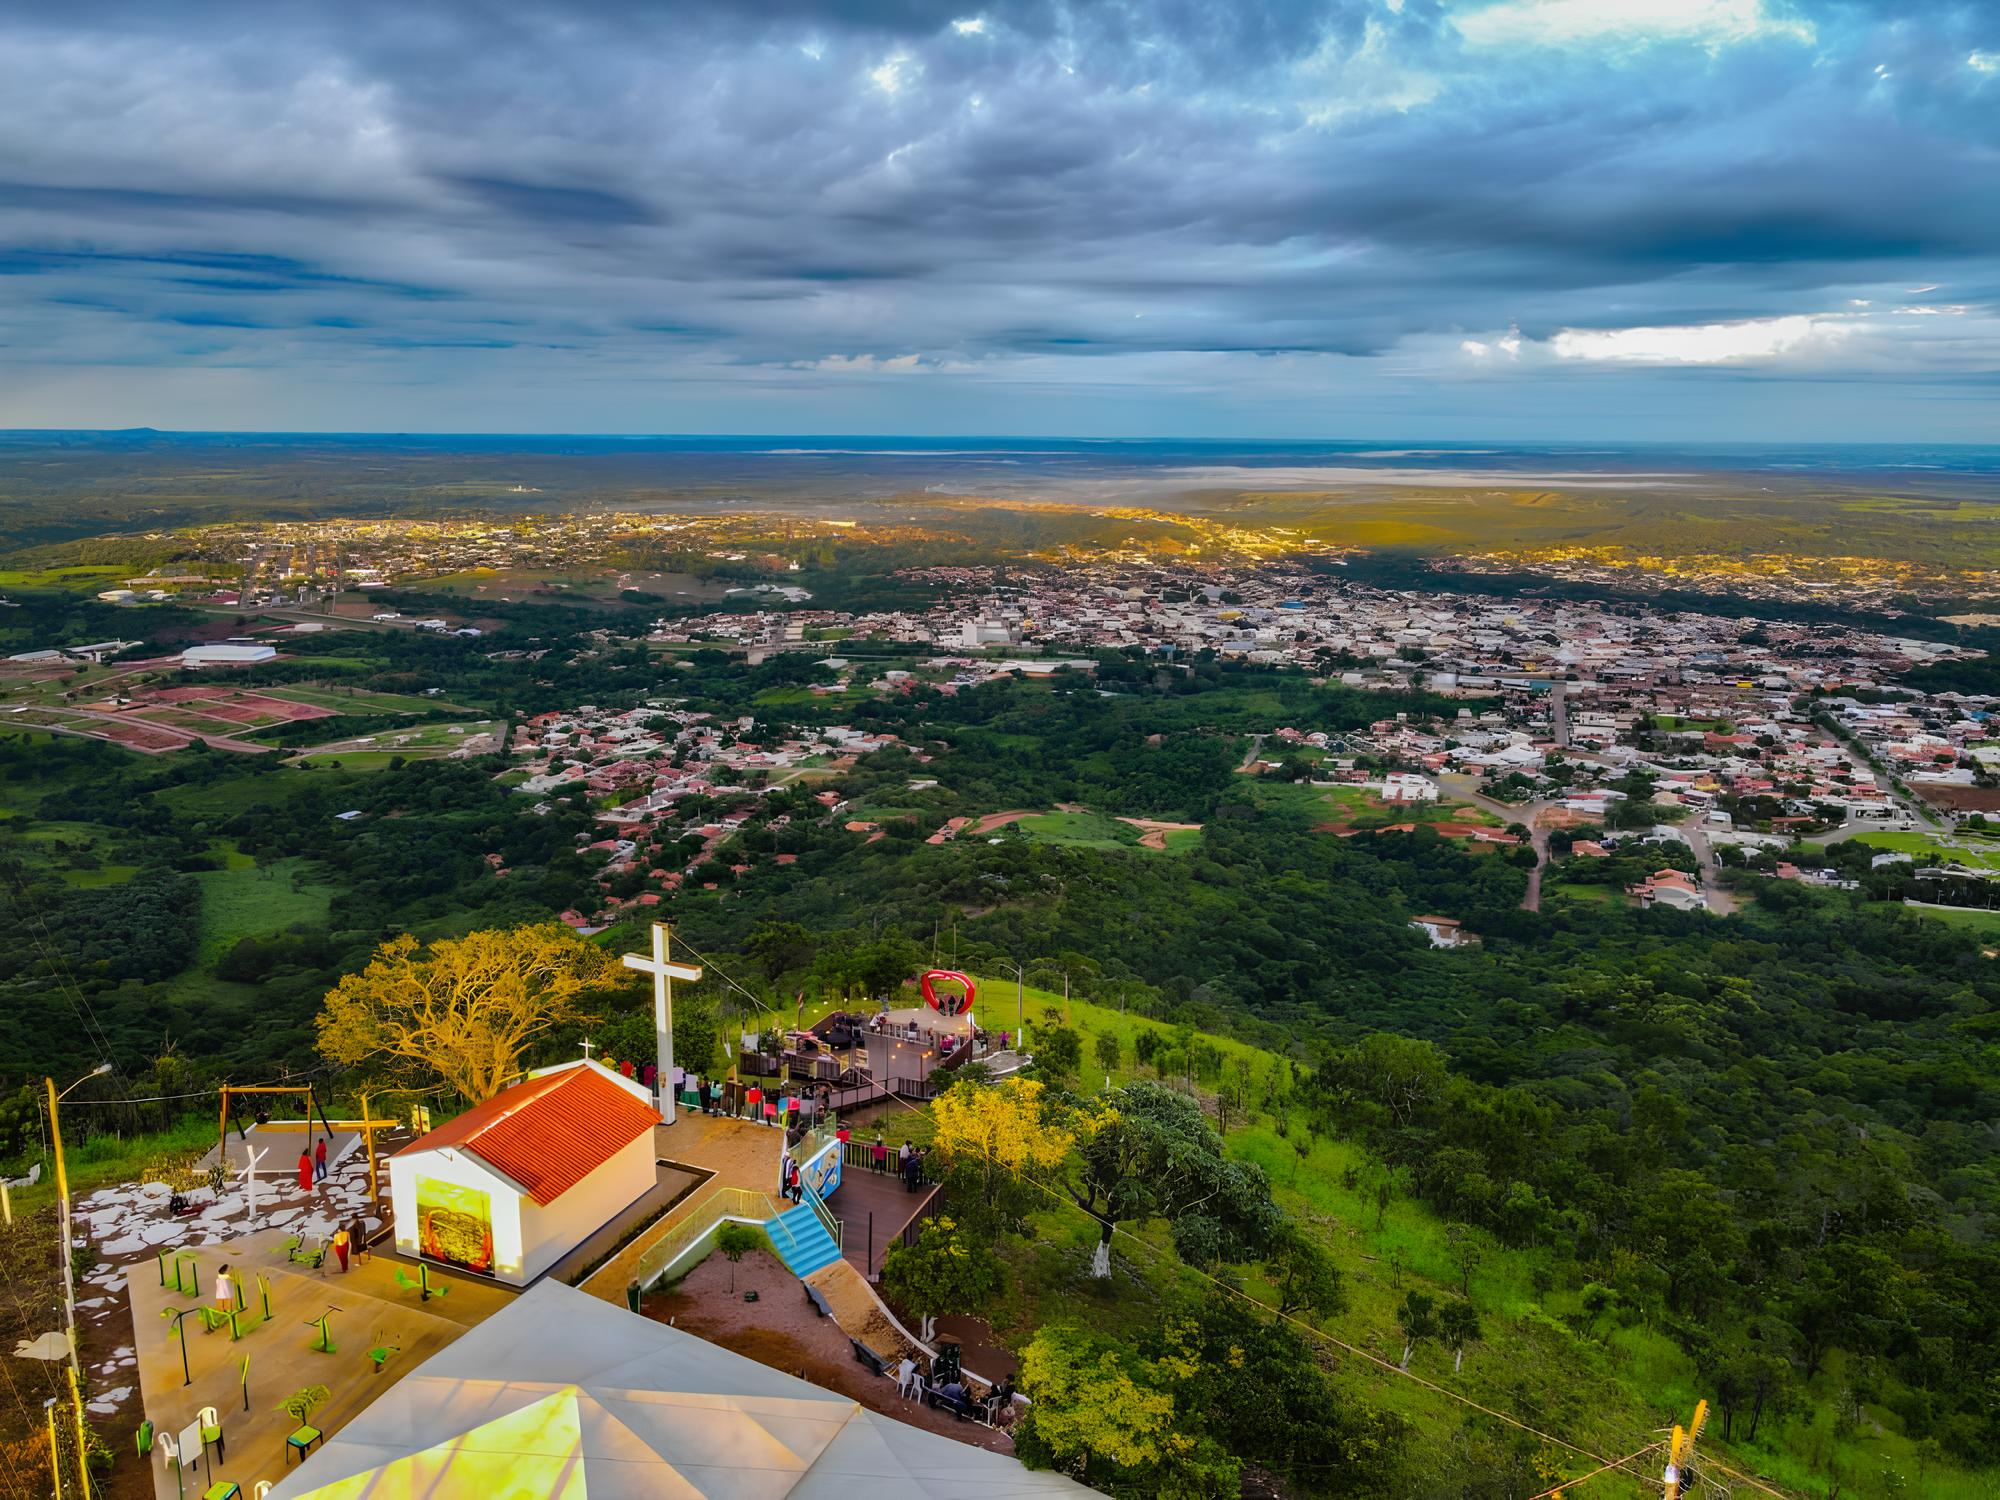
(179, 1316)
(381, 1352)
(1680, 1453)
(296, 1252)
(423, 1284)
(948, 1004)
(325, 1344)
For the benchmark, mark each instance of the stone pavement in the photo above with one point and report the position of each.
(129, 1224)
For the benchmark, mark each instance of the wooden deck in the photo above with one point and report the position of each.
(873, 1212)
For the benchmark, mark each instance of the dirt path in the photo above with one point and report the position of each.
(781, 1329)
(1153, 833)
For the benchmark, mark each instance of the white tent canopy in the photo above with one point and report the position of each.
(561, 1395)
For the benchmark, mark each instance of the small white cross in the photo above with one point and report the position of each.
(664, 971)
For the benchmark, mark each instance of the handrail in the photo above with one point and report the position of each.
(723, 1203)
(825, 1215)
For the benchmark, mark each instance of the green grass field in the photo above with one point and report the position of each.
(349, 760)
(1084, 830)
(1981, 924)
(358, 701)
(1968, 849)
(81, 578)
(249, 900)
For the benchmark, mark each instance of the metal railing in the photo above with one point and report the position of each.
(723, 1203)
(824, 1214)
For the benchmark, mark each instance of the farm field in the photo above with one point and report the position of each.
(1967, 849)
(419, 740)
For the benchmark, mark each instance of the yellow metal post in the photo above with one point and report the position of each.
(368, 1139)
(62, 1223)
(82, 1445)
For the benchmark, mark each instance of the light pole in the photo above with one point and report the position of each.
(1019, 971)
(62, 1197)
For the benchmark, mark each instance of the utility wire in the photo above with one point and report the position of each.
(1323, 1336)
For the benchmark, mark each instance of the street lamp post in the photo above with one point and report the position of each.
(63, 1249)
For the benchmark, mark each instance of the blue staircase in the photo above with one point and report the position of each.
(801, 1241)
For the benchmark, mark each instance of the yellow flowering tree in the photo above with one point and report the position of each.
(1006, 1129)
(465, 1010)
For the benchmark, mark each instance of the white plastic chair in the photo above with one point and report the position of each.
(263, 1488)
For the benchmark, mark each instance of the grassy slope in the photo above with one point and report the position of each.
(1611, 1392)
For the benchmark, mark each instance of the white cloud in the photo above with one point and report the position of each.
(973, 26)
(1984, 62)
(892, 75)
(1699, 343)
(872, 364)
(1560, 23)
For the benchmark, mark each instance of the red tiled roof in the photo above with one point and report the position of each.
(548, 1133)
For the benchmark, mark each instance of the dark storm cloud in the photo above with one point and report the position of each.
(792, 185)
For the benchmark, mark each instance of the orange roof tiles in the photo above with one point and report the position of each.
(548, 1133)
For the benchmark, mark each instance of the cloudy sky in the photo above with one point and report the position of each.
(1693, 219)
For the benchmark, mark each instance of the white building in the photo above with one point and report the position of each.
(227, 654)
(513, 1185)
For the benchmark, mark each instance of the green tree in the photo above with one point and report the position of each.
(1059, 1053)
(1417, 1317)
(945, 1271)
(736, 1241)
(1096, 1410)
(1304, 1274)
(1151, 1154)
(1457, 1326)
(1108, 1050)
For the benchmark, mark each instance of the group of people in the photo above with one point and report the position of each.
(946, 1383)
(779, 1107)
(909, 1162)
(312, 1165)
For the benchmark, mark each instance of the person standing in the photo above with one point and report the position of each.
(319, 1160)
(785, 1174)
(340, 1248)
(879, 1155)
(357, 1239)
(305, 1170)
(798, 1192)
(225, 1291)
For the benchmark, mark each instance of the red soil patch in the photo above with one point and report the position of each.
(1000, 819)
(782, 1331)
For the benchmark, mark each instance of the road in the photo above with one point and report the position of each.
(1722, 902)
(1256, 749)
(1462, 789)
(1558, 716)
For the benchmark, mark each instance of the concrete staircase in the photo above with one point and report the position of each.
(801, 1241)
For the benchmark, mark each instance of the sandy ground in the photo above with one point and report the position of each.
(782, 1330)
(1153, 833)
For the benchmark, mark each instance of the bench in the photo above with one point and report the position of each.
(818, 1301)
(380, 1354)
(865, 1356)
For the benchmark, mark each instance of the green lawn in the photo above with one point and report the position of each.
(1981, 924)
(358, 701)
(251, 900)
(1603, 895)
(1970, 849)
(349, 760)
(1086, 830)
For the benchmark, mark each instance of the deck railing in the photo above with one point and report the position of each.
(723, 1203)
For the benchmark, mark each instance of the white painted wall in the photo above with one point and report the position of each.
(449, 1164)
(548, 1234)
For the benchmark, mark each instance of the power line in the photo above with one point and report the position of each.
(1324, 1337)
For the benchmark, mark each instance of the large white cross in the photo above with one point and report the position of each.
(664, 971)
